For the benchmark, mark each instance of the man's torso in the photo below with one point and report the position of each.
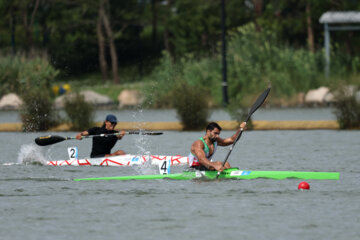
(102, 145)
(209, 151)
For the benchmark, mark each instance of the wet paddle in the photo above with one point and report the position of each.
(259, 101)
(52, 139)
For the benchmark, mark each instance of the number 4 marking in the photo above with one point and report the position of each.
(164, 167)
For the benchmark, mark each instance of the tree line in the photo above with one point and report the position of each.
(82, 36)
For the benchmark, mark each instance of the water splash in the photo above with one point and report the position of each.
(31, 154)
(142, 143)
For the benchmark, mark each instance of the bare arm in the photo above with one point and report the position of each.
(230, 140)
(121, 135)
(81, 134)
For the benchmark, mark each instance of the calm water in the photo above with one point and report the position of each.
(41, 202)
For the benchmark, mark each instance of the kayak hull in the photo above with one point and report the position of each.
(122, 160)
(233, 173)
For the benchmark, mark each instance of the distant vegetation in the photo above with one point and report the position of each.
(37, 113)
(109, 45)
(347, 109)
(191, 104)
(79, 112)
(255, 60)
(20, 73)
(30, 77)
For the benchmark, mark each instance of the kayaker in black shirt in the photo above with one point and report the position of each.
(102, 146)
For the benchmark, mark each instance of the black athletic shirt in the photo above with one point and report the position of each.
(102, 145)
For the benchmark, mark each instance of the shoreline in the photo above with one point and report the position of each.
(177, 126)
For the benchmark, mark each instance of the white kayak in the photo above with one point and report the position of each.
(122, 160)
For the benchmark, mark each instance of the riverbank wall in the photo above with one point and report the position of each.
(177, 126)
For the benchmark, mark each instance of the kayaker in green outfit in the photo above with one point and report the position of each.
(203, 149)
(102, 146)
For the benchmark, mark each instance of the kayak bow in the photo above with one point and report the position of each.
(232, 173)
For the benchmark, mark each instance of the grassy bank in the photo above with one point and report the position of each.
(177, 126)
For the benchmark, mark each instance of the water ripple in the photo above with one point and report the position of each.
(36, 179)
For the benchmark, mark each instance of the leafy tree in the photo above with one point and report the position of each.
(67, 29)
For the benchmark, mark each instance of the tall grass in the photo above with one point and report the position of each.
(37, 113)
(31, 78)
(79, 112)
(258, 58)
(191, 105)
(255, 59)
(347, 108)
(20, 73)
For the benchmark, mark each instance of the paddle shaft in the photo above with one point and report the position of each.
(259, 101)
(93, 136)
(232, 146)
(52, 139)
(116, 134)
(237, 139)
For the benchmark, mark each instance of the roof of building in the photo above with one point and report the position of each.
(340, 17)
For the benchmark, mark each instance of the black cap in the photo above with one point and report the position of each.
(111, 118)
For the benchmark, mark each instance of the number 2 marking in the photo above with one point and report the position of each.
(73, 153)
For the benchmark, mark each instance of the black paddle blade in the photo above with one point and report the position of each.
(259, 101)
(48, 140)
(152, 133)
(145, 133)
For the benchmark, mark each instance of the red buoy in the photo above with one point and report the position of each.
(303, 186)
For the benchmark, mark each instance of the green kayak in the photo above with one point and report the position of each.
(232, 173)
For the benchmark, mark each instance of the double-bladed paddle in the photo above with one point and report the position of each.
(259, 101)
(51, 139)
